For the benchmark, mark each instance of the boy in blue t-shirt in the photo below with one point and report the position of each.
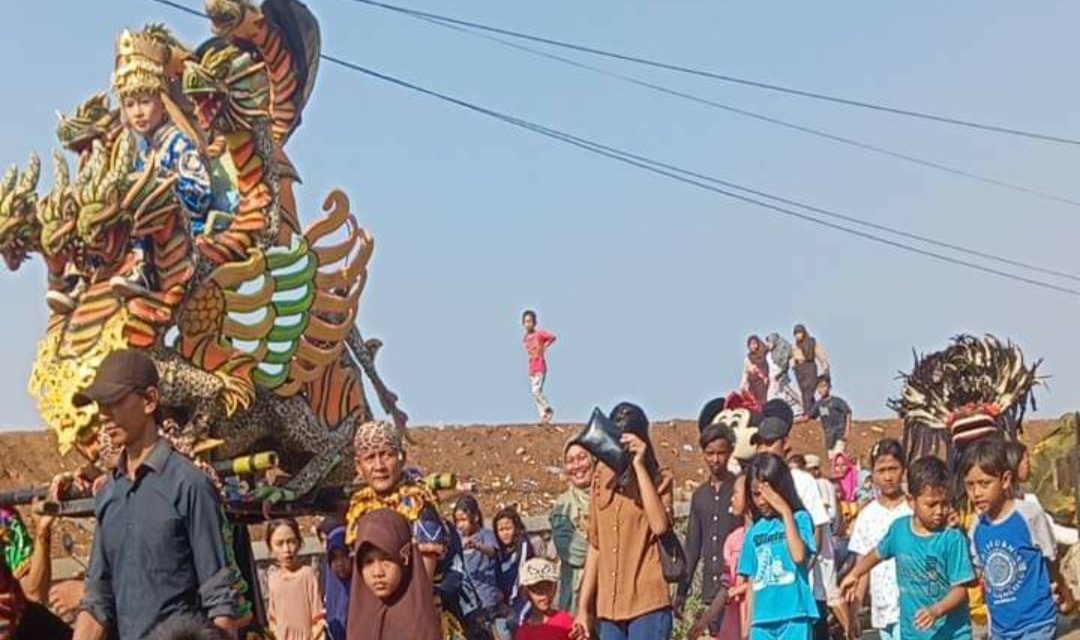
(1013, 547)
(932, 562)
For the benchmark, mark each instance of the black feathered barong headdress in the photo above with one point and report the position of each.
(974, 387)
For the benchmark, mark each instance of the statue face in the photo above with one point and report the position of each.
(143, 113)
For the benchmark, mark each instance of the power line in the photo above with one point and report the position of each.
(851, 102)
(826, 212)
(681, 176)
(686, 176)
(997, 182)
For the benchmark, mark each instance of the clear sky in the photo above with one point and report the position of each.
(652, 286)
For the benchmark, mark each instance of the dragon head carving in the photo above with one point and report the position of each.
(228, 16)
(110, 202)
(58, 211)
(229, 89)
(92, 120)
(19, 229)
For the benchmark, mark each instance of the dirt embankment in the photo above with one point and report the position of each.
(510, 464)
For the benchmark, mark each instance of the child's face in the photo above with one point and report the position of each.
(762, 505)
(464, 523)
(985, 491)
(738, 497)
(542, 596)
(506, 530)
(888, 474)
(931, 508)
(823, 389)
(529, 323)
(381, 573)
(341, 565)
(284, 546)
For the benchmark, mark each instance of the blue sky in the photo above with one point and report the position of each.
(651, 285)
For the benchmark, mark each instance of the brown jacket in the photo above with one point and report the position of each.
(630, 581)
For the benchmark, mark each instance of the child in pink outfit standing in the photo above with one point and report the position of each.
(537, 342)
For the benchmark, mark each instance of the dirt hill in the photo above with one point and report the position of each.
(509, 463)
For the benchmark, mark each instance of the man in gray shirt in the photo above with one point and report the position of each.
(159, 548)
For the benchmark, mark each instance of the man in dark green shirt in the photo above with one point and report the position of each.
(159, 548)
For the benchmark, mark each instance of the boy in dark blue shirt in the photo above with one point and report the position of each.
(835, 416)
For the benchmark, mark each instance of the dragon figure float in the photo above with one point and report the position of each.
(250, 318)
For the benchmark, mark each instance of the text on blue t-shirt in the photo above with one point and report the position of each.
(781, 587)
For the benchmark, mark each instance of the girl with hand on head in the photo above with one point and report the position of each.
(777, 553)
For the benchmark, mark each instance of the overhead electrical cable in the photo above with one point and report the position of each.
(689, 177)
(851, 102)
(997, 182)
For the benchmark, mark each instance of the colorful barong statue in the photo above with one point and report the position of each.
(178, 233)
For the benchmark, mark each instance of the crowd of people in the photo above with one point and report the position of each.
(769, 363)
(785, 548)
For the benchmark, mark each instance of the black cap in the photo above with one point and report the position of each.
(771, 429)
(777, 408)
(120, 373)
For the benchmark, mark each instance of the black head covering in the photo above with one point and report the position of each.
(777, 408)
(632, 419)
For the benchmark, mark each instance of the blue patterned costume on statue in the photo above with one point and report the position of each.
(177, 154)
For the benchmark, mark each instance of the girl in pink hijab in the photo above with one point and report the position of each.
(846, 473)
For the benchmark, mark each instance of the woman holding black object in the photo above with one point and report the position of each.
(624, 587)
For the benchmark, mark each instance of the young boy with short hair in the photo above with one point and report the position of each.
(540, 580)
(932, 562)
(537, 341)
(1013, 547)
(835, 416)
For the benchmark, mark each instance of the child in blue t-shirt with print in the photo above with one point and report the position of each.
(1013, 547)
(933, 566)
(776, 554)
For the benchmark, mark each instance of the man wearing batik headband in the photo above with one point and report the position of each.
(144, 61)
(380, 466)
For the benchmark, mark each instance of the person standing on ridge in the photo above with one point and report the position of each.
(811, 364)
(537, 341)
(755, 374)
